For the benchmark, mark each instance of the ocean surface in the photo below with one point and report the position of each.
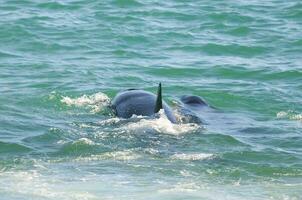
(62, 61)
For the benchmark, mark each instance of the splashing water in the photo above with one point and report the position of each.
(161, 124)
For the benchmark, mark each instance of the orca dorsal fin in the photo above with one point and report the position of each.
(159, 101)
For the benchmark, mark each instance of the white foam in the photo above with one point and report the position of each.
(115, 155)
(181, 187)
(162, 125)
(290, 114)
(84, 141)
(282, 114)
(33, 185)
(95, 101)
(110, 121)
(192, 156)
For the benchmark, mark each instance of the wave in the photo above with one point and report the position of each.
(58, 6)
(35, 185)
(13, 148)
(81, 147)
(125, 155)
(8, 55)
(191, 156)
(127, 3)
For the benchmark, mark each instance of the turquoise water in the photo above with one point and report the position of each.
(61, 62)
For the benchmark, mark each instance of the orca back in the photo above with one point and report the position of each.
(138, 102)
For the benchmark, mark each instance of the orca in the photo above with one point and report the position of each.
(193, 101)
(193, 109)
(139, 102)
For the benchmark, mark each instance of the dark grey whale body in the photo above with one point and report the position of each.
(139, 102)
(195, 101)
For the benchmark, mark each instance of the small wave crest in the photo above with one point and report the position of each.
(95, 101)
(290, 114)
(83, 141)
(192, 156)
(81, 146)
(126, 155)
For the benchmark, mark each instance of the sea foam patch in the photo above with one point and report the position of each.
(290, 114)
(95, 101)
(34, 185)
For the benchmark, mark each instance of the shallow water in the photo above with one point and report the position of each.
(61, 62)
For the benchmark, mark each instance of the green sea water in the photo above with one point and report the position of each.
(62, 61)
